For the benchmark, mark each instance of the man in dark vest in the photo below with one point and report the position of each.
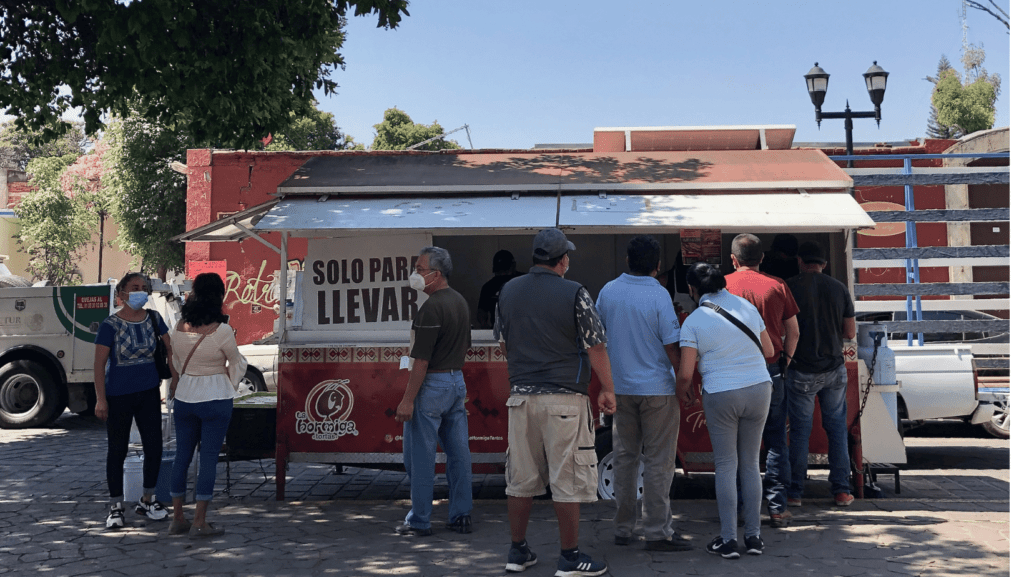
(550, 333)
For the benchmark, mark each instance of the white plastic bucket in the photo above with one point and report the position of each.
(132, 479)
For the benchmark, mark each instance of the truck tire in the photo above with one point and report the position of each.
(254, 378)
(999, 425)
(29, 396)
(606, 469)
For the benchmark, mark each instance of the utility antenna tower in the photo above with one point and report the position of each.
(964, 46)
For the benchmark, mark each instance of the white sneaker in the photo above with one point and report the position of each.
(115, 519)
(154, 509)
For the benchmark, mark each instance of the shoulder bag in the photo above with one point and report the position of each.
(163, 367)
(728, 316)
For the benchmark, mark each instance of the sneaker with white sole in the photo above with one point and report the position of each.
(754, 544)
(520, 559)
(583, 566)
(727, 549)
(115, 518)
(154, 509)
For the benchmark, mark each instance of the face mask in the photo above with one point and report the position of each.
(417, 282)
(137, 299)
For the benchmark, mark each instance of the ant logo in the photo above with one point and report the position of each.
(328, 406)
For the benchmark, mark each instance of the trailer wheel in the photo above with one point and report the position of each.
(606, 469)
(29, 397)
(999, 425)
(254, 378)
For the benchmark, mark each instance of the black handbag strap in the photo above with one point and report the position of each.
(736, 322)
(156, 328)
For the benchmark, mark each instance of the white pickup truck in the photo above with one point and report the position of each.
(946, 376)
(940, 381)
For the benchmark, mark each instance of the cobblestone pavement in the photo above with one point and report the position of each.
(950, 518)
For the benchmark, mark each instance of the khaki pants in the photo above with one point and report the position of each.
(551, 441)
(645, 427)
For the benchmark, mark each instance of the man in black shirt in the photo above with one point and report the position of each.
(504, 269)
(433, 408)
(818, 369)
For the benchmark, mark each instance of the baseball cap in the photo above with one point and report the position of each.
(811, 252)
(503, 260)
(550, 243)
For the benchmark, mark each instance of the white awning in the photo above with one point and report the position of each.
(335, 217)
(312, 217)
(776, 212)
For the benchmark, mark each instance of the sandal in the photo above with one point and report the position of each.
(179, 528)
(208, 531)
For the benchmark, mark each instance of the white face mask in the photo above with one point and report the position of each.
(417, 282)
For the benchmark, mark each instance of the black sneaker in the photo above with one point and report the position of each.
(154, 509)
(727, 550)
(407, 529)
(115, 518)
(583, 566)
(463, 524)
(519, 560)
(673, 544)
(755, 546)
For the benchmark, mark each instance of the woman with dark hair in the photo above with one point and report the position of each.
(210, 366)
(128, 387)
(726, 340)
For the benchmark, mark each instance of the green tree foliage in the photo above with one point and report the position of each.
(147, 197)
(967, 105)
(935, 128)
(398, 132)
(223, 71)
(18, 147)
(313, 131)
(54, 225)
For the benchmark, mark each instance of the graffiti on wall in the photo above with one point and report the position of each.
(262, 290)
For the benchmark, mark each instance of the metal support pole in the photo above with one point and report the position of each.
(283, 297)
(913, 265)
(849, 134)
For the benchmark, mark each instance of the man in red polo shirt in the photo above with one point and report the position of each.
(775, 302)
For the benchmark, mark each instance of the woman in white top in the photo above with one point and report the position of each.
(209, 364)
(736, 393)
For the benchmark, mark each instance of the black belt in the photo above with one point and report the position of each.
(449, 371)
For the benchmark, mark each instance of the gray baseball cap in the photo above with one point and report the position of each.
(550, 243)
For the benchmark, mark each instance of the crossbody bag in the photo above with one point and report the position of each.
(728, 316)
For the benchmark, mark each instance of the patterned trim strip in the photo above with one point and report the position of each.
(386, 354)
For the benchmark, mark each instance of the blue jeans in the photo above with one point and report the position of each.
(204, 424)
(438, 417)
(776, 473)
(830, 390)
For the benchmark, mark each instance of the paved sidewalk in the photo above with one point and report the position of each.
(53, 499)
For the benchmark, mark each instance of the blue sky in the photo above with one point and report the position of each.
(527, 72)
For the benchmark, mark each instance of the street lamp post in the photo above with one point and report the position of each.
(817, 85)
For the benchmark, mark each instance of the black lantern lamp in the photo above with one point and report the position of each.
(817, 85)
(875, 79)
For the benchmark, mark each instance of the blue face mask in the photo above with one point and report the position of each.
(137, 299)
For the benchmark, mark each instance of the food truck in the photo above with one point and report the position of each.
(362, 218)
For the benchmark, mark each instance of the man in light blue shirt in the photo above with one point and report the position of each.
(643, 335)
